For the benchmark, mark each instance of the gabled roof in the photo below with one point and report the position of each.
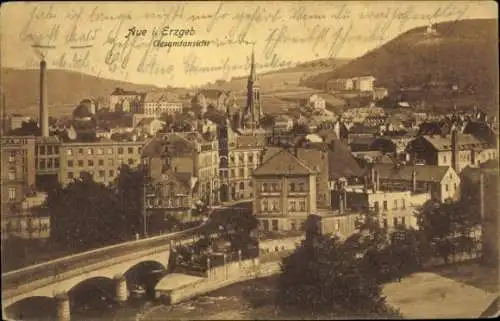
(465, 141)
(159, 96)
(183, 179)
(424, 173)
(341, 162)
(283, 163)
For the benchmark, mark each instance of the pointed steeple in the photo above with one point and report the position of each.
(253, 73)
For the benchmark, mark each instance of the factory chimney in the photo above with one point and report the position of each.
(44, 113)
(454, 150)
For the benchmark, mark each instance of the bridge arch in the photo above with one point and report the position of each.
(144, 276)
(92, 294)
(32, 308)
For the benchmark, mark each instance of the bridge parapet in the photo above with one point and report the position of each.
(32, 277)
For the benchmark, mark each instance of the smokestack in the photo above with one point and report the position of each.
(372, 176)
(44, 113)
(414, 181)
(454, 150)
(377, 182)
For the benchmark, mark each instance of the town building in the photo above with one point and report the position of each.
(363, 83)
(190, 153)
(150, 126)
(285, 192)
(18, 171)
(380, 93)
(455, 150)
(442, 182)
(16, 121)
(101, 159)
(317, 102)
(216, 98)
(156, 104)
(342, 84)
(171, 194)
(283, 123)
(125, 100)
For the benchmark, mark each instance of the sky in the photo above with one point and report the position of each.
(191, 43)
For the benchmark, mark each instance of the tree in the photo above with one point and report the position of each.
(235, 227)
(129, 186)
(86, 215)
(325, 275)
(447, 227)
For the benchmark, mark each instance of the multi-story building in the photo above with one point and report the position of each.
(125, 100)
(101, 159)
(196, 154)
(171, 194)
(455, 150)
(18, 171)
(340, 84)
(155, 104)
(442, 182)
(363, 83)
(285, 192)
(47, 161)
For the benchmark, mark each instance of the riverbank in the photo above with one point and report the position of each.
(415, 295)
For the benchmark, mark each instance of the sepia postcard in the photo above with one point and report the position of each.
(249, 160)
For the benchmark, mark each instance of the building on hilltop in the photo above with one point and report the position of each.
(125, 100)
(156, 104)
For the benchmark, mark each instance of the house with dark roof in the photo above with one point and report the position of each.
(456, 150)
(285, 192)
(442, 182)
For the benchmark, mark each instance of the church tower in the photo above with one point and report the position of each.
(253, 110)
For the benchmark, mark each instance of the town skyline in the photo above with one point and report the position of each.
(98, 46)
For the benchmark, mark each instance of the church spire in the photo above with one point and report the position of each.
(253, 73)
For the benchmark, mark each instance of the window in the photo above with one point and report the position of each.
(56, 162)
(403, 205)
(242, 185)
(12, 193)
(385, 223)
(446, 187)
(274, 187)
(42, 150)
(242, 172)
(293, 225)
(264, 187)
(275, 205)
(139, 149)
(12, 157)
(444, 159)
(111, 162)
(377, 206)
(56, 150)
(233, 173)
(12, 174)
(111, 173)
(395, 221)
(455, 187)
(80, 163)
(49, 150)
(275, 225)
(69, 152)
(265, 205)
(80, 151)
(241, 158)
(292, 206)
(42, 164)
(101, 173)
(250, 158)
(120, 150)
(302, 205)
(49, 163)
(110, 151)
(265, 224)
(90, 162)
(70, 175)
(385, 205)
(90, 151)
(301, 187)
(99, 151)
(130, 161)
(403, 221)
(250, 184)
(292, 187)
(131, 150)
(101, 162)
(395, 204)
(70, 163)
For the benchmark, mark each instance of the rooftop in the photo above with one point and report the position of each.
(283, 163)
(424, 173)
